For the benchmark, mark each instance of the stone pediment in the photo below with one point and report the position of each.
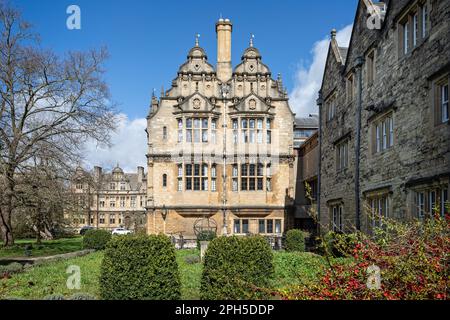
(253, 104)
(195, 103)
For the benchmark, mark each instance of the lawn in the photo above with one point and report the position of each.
(50, 278)
(46, 248)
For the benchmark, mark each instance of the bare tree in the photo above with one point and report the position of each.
(48, 106)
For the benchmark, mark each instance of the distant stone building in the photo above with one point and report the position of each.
(384, 128)
(306, 190)
(220, 147)
(304, 128)
(109, 200)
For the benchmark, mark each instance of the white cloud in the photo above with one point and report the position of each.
(308, 80)
(129, 147)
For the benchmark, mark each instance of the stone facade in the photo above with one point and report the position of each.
(220, 147)
(384, 129)
(109, 200)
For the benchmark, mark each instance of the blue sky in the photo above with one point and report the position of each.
(149, 40)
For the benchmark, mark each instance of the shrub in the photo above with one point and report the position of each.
(237, 268)
(10, 269)
(192, 259)
(205, 235)
(82, 296)
(140, 268)
(96, 239)
(295, 240)
(402, 261)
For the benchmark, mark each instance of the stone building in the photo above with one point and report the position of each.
(220, 147)
(304, 128)
(384, 116)
(306, 190)
(109, 200)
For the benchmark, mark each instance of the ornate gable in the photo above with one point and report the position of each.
(253, 104)
(195, 103)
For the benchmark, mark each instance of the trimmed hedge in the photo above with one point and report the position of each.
(205, 235)
(295, 241)
(235, 267)
(96, 239)
(140, 268)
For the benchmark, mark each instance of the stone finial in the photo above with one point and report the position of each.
(333, 34)
(197, 37)
(252, 36)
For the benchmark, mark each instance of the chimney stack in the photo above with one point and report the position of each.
(140, 171)
(97, 172)
(224, 28)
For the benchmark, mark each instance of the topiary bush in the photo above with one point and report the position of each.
(295, 240)
(236, 267)
(140, 268)
(205, 235)
(96, 239)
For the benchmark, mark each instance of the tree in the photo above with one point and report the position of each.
(49, 106)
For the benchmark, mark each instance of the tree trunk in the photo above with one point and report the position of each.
(5, 226)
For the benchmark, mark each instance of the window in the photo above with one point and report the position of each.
(444, 102)
(122, 202)
(112, 202)
(79, 186)
(197, 130)
(379, 210)
(180, 178)
(342, 155)
(133, 201)
(415, 29)
(406, 37)
(235, 131)
(112, 219)
(235, 178)
(331, 108)
(102, 202)
(269, 226)
(122, 186)
(102, 219)
(112, 186)
(370, 67)
(213, 131)
(180, 130)
(350, 88)
(444, 204)
(164, 180)
(277, 226)
(269, 131)
(337, 212)
(261, 226)
(384, 133)
(196, 177)
(424, 20)
(432, 201)
(245, 226)
(213, 178)
(237, 226)
(164, 136)
(251, 130)
(252, 177)
(269, 177)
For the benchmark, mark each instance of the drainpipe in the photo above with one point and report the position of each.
(319, 189)
(225, 90)
(359, 61)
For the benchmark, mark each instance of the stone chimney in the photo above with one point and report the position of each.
(97, 172)
(140, 171)
(224, 29)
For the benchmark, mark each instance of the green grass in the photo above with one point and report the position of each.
(50, 278)
(47, 248)
(190, 275)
